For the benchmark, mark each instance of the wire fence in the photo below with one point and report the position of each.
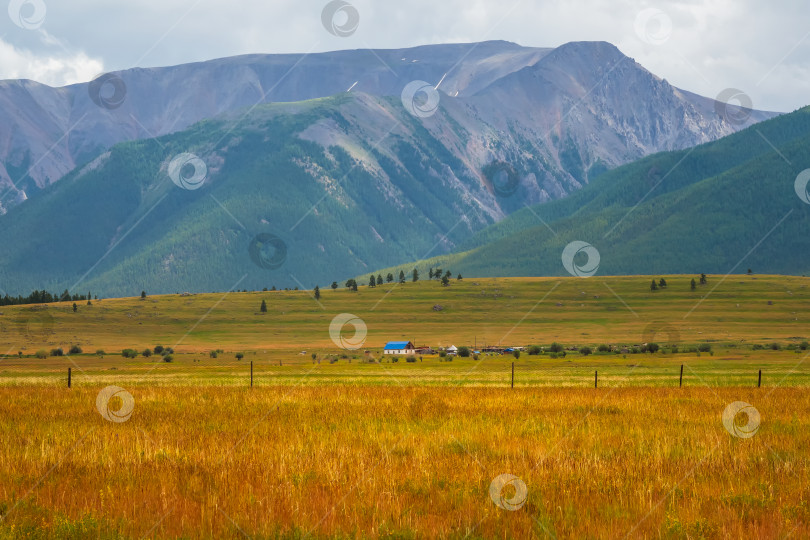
(487, 372)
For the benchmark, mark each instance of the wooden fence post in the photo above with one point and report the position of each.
(680, 381)
(759, 380)
(69, 377)
(513, 374)
(596, 379)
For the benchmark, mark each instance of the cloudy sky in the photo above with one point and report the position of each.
(704, 46)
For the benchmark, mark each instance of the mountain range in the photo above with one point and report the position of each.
(300, 169)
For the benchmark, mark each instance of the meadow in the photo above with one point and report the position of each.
(349, 444)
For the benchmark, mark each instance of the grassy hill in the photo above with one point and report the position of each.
(721, 207)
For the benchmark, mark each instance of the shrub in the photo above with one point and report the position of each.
(673, 349)
(147, 353)
(653, 347)
(534, 350)
(464, 352)
(475, 357)
(168, 358)
(552, 355)
(129, 353)
(168, 350)
(411, 359)
(635, 350)
(704, 347)
(585, 351)
(803, 345)
(516, 354)
(213, 354)
(395, 359)
(75, 349)
(556, 347)
(42, 353)
(57, 352)
(100, 352)
(442, 354)
(757, 347)
(239, 356)
(603, 348)
(775, 346)
(158, 349)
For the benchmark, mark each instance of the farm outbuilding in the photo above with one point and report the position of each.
(399, 347)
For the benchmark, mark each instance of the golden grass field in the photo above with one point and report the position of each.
(408, 450)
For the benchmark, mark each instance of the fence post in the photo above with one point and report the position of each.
(759, 379)
(68, 377)
(596, 379)
(513, 374)
(680, 381)
(251, 373)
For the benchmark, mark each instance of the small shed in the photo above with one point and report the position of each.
(452, 349)
(399, 347)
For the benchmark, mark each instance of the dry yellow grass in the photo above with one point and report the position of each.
(346, 461)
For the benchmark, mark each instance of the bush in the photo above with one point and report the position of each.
(673, 349)
(464, 352)
(556, 347)
(158, 349)
(585, 351)
(129, 353)
(534, 350)
(552, 355)
(41, 354)
(147, 353)
(395, 359)
(100, 352)
(635, 350)
(653, 347)
(516, 354)
(704, 347)
(757, 347)
(57, 352)
(442, 354)
(239, 356)
(213, 354)
(168, 350)
(803, 345)
(411, 359)
(75, 349)
(475, 357)
(603, 348)
(168, 358)
(775, 346)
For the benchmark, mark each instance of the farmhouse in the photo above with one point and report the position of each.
(399, 347)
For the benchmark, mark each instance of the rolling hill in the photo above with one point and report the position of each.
(721, 207)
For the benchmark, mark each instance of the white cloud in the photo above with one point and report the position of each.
(51, 69)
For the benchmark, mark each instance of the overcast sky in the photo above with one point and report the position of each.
(704, 46)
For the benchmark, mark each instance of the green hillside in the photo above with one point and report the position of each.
(724, 206)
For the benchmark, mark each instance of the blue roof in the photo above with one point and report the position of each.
(397, 345)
